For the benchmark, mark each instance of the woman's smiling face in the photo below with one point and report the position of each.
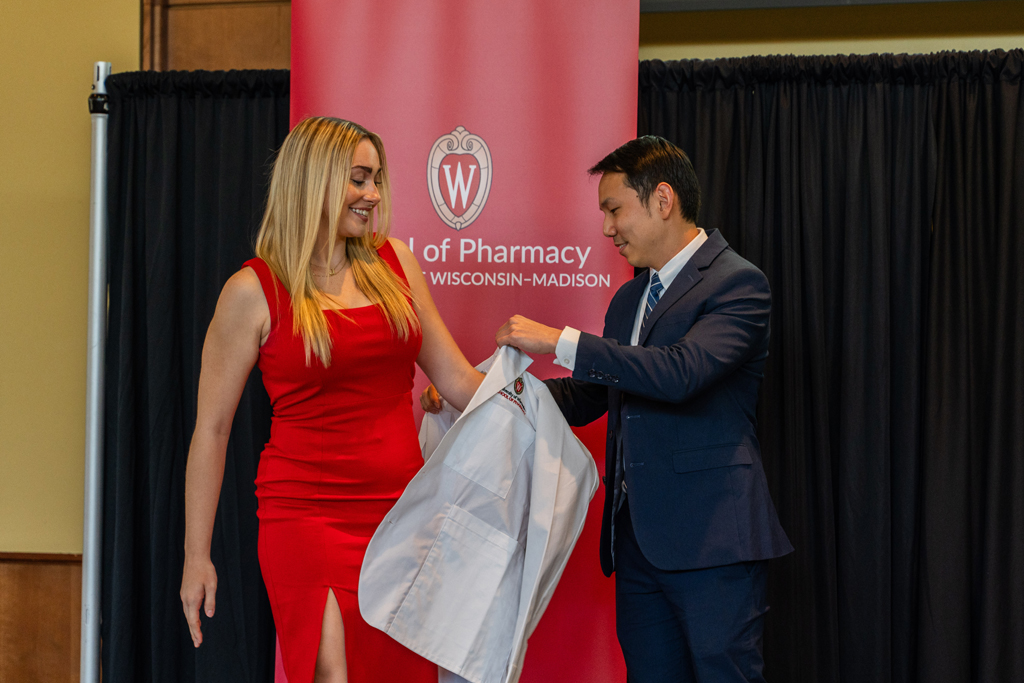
(362, 195)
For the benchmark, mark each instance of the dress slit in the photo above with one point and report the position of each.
(341, 620)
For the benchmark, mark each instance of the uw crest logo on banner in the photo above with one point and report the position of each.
(459, 177)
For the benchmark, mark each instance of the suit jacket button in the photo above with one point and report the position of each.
(590, 373)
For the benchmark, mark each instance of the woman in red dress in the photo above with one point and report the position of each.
(335, 314)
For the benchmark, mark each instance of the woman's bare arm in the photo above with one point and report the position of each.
(239, 326)
(440, 357)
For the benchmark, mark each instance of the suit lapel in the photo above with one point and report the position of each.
(689, 276)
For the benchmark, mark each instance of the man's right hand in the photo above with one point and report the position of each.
(527, 335)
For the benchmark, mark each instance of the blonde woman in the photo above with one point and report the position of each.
(335, 313)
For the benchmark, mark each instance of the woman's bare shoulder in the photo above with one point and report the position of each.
(242, 298)
(408, 260)
(400, 247)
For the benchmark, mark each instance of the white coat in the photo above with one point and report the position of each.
(465, 563)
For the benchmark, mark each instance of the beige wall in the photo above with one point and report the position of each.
(856, 29)
(47, 49)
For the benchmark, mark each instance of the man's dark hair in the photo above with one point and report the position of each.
(650, 160)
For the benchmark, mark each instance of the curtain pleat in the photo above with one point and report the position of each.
(971, 594)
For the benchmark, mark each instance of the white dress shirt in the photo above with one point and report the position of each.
(568, 341)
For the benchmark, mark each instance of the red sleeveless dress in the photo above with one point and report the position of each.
(342, 447)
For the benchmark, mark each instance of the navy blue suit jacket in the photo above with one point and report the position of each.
(682, 405)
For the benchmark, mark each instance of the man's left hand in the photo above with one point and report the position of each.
(527, 335)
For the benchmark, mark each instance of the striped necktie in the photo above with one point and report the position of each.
(652, 299)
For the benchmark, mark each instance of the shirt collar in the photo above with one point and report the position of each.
(675, 264)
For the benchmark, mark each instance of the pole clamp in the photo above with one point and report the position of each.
(98, 104)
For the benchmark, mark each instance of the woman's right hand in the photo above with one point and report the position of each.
(198, 589)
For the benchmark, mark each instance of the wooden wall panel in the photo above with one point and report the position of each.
(228, 36)
(153, 40)
(216, 34)
(40, 618)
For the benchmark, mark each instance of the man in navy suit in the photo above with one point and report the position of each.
(688, 522)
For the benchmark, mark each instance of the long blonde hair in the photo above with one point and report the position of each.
(314, 164)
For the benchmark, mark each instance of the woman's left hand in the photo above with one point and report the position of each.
(430, 400)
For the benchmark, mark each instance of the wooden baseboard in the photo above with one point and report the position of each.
(40, 617)
(41, 557)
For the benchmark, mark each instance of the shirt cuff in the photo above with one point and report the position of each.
(565, 350)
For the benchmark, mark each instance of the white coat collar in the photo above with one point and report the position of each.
(502, 368)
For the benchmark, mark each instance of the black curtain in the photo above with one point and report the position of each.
(190, 155)
(883, 196)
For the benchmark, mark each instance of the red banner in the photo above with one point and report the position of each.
(490, 113)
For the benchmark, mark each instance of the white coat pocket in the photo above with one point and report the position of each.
(490, 448)
(444, 610)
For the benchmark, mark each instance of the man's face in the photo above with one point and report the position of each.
(635, 230)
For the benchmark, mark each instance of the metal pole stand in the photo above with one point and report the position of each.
(92, 534)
